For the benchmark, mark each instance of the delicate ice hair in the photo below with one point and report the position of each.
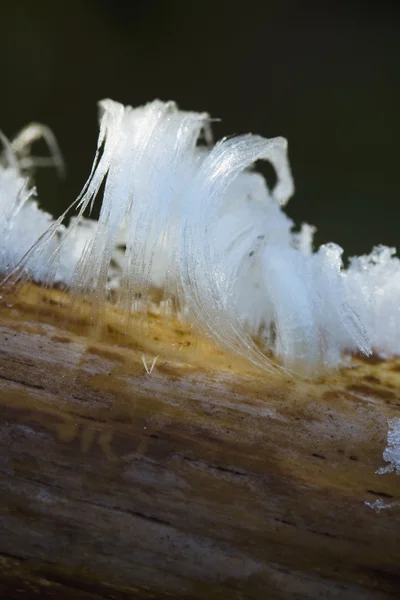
(195, 221)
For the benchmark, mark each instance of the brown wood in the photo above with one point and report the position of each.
(205, 479)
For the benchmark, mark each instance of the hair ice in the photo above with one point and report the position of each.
(197, 222)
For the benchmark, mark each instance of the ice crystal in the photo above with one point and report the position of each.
(391, 453)
(196, 221)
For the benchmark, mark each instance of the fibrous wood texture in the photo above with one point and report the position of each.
(202, 479)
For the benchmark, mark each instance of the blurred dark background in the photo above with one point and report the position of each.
(325, 75)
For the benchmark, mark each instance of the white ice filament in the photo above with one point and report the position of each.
(196, 222)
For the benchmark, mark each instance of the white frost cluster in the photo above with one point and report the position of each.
(373, 287)
(196, 221)
(23, 224)
(391, 453)
(21, 220)
(378, 505)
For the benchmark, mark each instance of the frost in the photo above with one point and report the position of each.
(373, 286)
(21, 220)
(379, 505)
(197, 222)
(391, 453)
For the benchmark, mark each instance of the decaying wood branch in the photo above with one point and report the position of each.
(200, 478)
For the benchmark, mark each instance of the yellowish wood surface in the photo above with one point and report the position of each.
(203, 479)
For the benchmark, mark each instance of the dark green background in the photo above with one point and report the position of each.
(325, 75)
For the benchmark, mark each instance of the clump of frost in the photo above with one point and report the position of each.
(373, 286)
(21, 220)
(391, 453)
(378, 505)
(197, 222)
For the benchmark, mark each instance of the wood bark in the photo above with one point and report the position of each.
(202, 479)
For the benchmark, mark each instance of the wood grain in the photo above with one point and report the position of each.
(206, 479)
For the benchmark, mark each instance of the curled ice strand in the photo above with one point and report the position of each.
(209, 293)
(7, 157)
(277, 156)
(21, 146)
